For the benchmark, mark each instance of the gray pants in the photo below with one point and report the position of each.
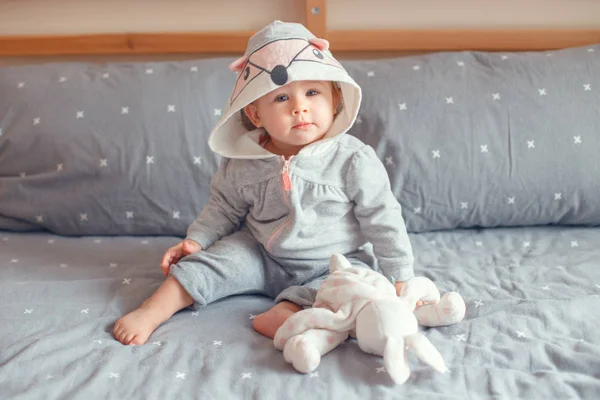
(239, 264)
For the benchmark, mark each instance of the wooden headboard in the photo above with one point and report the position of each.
(315, 18)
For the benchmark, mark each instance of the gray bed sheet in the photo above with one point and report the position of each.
(531, 329)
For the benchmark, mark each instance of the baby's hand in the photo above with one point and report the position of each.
(398, 286)
(175, 253)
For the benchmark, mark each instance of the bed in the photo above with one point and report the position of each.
(493, 155)
(530, 329)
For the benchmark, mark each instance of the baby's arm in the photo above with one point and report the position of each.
(224, 212)
(380, 215)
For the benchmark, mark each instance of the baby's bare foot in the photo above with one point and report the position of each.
(136, 327)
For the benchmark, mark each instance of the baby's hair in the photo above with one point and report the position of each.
(336, 87)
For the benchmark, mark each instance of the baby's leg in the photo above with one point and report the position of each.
(267, 323)
(135, 327)
(232, 265)
(290, 300)
(449, 310)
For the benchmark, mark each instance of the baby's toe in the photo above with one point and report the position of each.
(128, 337)
(121, 337)
(135, 341)
(124, 338)
(138, 340)
(119, 328)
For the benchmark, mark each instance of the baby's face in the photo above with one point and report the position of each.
(298, 113)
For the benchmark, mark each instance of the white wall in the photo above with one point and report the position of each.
(350, 14)
(106, 16)
(100, 16)
(23, 17)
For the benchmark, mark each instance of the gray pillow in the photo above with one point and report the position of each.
(108, 149)
(474, 139)
(470, 139)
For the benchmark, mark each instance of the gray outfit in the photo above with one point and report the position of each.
(259, 237)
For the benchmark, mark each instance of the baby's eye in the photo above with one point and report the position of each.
(281, 98)
(312, 93)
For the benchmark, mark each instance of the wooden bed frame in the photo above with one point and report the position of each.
(415, 40)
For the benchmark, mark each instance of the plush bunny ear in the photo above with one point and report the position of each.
(319, 43)
(238, 64)
(426, 351)
(396, 361)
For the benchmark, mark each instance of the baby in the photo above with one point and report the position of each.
(292, 189)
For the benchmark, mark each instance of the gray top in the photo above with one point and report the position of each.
(337, 199)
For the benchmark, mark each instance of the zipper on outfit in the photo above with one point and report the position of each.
(287, 186)
(285, 173)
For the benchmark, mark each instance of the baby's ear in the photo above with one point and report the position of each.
(252, 113)
(238, 64)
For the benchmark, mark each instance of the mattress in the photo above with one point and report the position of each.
(531, 328)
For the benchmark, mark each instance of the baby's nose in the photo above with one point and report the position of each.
(300, 107)
(301, 110)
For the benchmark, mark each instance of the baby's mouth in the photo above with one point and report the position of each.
(303, 125)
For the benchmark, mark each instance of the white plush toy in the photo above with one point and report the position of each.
(363, 303)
